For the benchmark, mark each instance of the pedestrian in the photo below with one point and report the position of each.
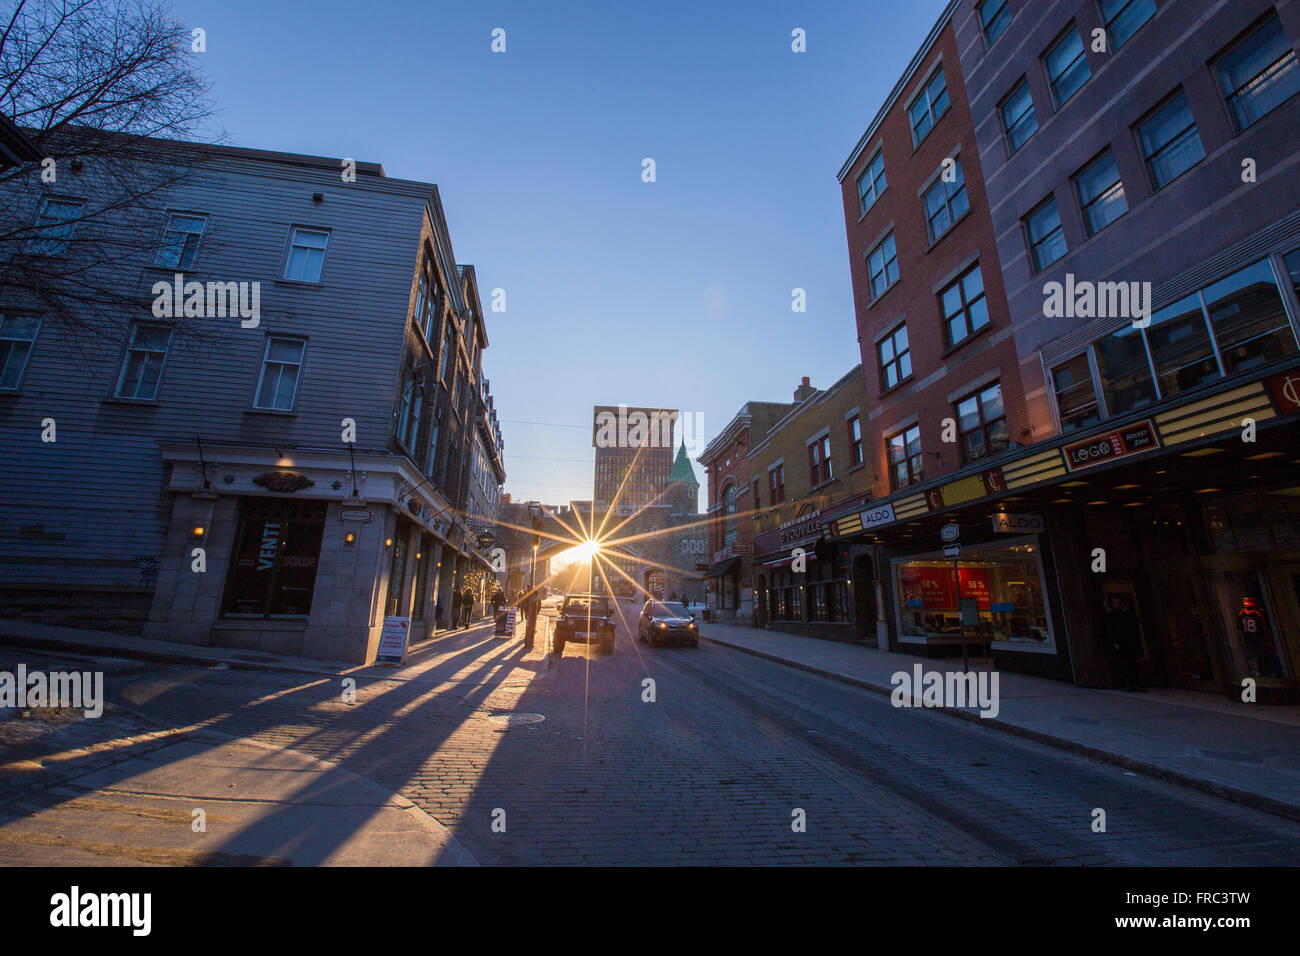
(1125, 637)
(467, 604)
(530, 604)
(437, 615)
(455, 610)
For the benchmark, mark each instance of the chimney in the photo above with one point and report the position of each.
(804, 391)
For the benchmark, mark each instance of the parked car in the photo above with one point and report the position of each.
(667, 621)
(585, 617)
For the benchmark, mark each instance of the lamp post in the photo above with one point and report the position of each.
(535, 517)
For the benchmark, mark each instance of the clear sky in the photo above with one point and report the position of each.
(673, 294)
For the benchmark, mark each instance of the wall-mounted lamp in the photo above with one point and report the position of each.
(388, 542)
(418, 555)
(317, 197)
(199, 530)
(350, 538)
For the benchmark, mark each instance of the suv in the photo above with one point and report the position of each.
(663, 621)
(585, 617)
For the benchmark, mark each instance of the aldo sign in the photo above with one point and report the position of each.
(1004, 523)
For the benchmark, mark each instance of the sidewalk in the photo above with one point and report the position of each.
(1248, 753)
(117, 791)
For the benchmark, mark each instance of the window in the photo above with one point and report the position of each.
(776, 484)
(758, 500)
(1124, 371)
(905, 460)
(1180, 346)
(56, 223)
(276, 553)
(982, 423)
(1067, 66)
(409, 409)
(435, 430)
(306, 259)
(729, 517)
(1292, 262)
(421, 301)
(819, 461)
(871, 183)
(1076, 398)
(882, 264)
(895, 358)
(448, 347)
(1018, 119)
(180, 241)
(17, 336)
(1123, 17)
(146, 353)
(1249, 321)
(1101, 193)
(281, 366)
(855, 441)
(1258, 73)
(945, 203)
(929, 106)
(1170, 142)
(965, 310)
(1046, 238)
(994, 17)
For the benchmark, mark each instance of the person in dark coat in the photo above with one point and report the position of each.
(455, 610)
(1125, 637)
(467, 604)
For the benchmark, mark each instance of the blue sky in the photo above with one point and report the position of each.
(674, 293)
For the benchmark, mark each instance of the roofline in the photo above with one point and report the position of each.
(813, 399)
(897, 91)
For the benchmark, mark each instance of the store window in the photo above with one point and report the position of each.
(1249, 321)
(276, 553)
(1076, 398)
(1249, 623)
(1125, 371)
(1004, 582)
(1181, 348)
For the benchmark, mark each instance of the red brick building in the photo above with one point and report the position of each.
(732, 504)
(932, 319)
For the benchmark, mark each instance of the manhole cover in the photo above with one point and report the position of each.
(512, 718)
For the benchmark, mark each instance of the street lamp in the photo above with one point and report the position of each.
(535, 514)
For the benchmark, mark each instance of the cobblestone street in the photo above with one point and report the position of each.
(713, 771)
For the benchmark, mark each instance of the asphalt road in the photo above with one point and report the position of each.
(734, 760)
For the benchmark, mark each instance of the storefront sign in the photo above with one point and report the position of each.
(1285, 389)
(355, 514)
(798, 532)
(284, 482)
(392, 640)
(881, 514)
(1004, 523)
(932, 587)
(988, 482)
(1135, 438)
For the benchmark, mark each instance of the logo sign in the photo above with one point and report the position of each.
(1138, 437)
(355, 514)
(950, 532)
(1004, 523)
(883, 514)
(392, 640)
(952, 551)
(1285, 389)
(283, 482)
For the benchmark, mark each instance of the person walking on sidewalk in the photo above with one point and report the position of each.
(1125, 637)
(454, 621)
(467, 604)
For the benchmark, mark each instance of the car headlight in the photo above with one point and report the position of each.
(692, 625)
(661, 624)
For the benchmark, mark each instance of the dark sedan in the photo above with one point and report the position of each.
(665, 622)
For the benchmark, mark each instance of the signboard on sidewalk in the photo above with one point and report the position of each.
(392, 640)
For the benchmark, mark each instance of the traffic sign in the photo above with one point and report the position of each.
(950, 532)
(952, 551)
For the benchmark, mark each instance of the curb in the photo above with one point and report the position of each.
(1248, 798)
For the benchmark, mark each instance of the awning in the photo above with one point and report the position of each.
(723, 567)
